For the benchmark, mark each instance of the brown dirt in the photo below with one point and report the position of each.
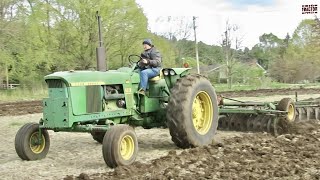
(234, 155)
(251, 156)
(300, 127)
(30, 107)
(75, 153)
(20, 108)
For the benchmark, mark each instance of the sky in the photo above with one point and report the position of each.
(253, 17)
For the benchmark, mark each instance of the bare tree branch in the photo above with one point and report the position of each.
(227, 41)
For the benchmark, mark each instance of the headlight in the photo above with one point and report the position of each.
(172, 72)
(166, 72)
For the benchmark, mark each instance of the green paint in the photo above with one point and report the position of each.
(149, 104)
(172, 79)
(78, 101)
(110, 77)
(158, 89)
(249, 111)
(56, 112)
(181, 71)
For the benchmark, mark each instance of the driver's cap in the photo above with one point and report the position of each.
(147, 41)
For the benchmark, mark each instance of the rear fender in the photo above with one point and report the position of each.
(171, 75)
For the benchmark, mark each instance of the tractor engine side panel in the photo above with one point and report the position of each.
(55, 112)
(56, 106)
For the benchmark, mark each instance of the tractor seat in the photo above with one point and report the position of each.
(157, 78)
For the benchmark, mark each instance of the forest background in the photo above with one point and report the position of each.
(39, 37)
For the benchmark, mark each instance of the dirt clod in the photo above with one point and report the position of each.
(251, 156)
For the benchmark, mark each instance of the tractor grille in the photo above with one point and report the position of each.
(54, 83)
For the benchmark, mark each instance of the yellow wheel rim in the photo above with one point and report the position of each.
(291, 113)
(202, 112)
(126, 147)
(34, 143)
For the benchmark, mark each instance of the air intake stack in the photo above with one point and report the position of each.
(100, 51)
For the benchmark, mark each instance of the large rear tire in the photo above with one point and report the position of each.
(27, 143)
(192, 113)
(120, 146)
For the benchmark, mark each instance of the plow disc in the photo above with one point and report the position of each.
(307, 110)
(275, 118)
(253, 123)
(307, 113)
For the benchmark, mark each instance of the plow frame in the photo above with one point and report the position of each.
(271, 117)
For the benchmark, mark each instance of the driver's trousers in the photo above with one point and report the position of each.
(147, 74)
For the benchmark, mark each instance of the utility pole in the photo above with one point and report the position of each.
(196, 43)
(7, 77)
(227, 57)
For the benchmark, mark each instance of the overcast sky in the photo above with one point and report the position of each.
(254, 17)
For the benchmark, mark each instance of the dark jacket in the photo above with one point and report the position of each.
(153, 57)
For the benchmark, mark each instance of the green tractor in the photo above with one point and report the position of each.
(107, 105)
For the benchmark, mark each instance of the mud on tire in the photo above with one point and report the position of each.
(181, 111)
(287, 104)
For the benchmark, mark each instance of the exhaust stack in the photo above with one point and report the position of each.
(100, 51)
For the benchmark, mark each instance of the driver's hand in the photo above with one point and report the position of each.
(144, 61)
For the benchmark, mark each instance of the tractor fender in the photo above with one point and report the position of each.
(171, 75)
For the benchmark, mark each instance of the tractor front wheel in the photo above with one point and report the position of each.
(29, 144)
(120, 146)
(192, 113)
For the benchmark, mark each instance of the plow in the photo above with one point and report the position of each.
(272, 117)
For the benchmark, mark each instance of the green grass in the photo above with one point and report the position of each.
(23, 94)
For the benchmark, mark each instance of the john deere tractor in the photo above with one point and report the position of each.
(106, 104)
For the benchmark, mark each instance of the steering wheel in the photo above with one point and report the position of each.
(134, 59)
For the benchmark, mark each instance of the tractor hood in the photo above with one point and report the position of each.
(87, 78)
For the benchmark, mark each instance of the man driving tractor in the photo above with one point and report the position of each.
(149, 65)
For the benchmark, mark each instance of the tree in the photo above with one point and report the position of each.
(210, 54)
(299, 55)
(7, 32)
(42, 36)
(230, 43)
(178, 30)
(124, 27)
(267, 50)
